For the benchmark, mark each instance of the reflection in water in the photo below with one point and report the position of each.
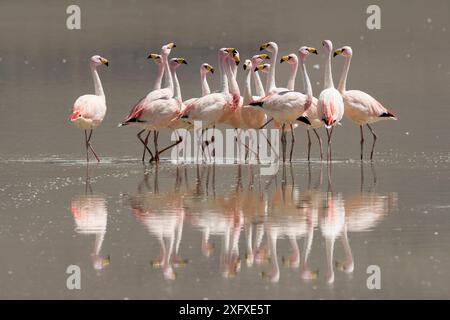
(257, 213)
(91, 217)
(163, 216)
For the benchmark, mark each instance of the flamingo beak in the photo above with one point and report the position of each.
(74, 115)
(329, 121)
(104, 61)
(284, 58)
(210, 69)
(171, 45)
(263, 46)
(181, 61)
(337, 52)
(264, 56)
(153, 56)
(313, 50)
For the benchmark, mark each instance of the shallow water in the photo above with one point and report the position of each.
(217, 231)
(188, 231)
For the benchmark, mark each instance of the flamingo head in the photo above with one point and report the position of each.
(205, 68)
(233, 54)
(76, 114)
(176, 62)
(263, 68)
(269, 46)
(328, 45)
(344, 51)
(290, 58)
(304, 51)
(259, 58)
(156, 58)
(328, 120)
(165, 50)
(98, 60)
(247, 65)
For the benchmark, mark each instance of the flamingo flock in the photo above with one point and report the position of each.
(285, 107)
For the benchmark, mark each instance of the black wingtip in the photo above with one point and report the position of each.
(387, 115)
(304, 120)
(256, 104)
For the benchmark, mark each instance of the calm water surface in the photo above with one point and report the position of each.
(217, 231)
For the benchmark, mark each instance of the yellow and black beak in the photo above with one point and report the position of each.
(236, 58)
(153, 56)
(104, 61)
(209, 68)
(312, 50)
(171, 45)
(231, 50)
(264, 56)
(337, 52)
(284, 59)
(263, 46)
(181, 61)
(259, 67)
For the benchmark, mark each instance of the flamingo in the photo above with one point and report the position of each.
(281, 104)
(205, 68)
(259, 89)
(160, 113)
(311, 113)
(133, 117)
(330, 105)
(217, 107)
(360, 107)
(89, 110)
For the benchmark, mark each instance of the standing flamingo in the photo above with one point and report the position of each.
(89, 110)
(157, 93)
(330, 105)
(360, 107)
(311, 113)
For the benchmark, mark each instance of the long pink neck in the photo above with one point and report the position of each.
(328, 80)
(97, 83)
(204, 83)
(158, 80)
(223, 75)
(234, 87)
(307, 88)
(291, 81)
(168, 81)
(343, 80)
(271, 79)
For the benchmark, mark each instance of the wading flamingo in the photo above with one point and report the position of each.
(330, 105)
(360, 107)
(311, 113)
(156, 94)
(89, 110)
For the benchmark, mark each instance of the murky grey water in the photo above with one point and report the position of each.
(211, 232)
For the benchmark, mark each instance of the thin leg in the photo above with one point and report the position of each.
(320, 144)
(145, 142)
(87, 145)
(155, 142)
(172, 145)
(265, 124)
(374, 141)
(292, 143)
(362, 140)
(90, 146)
(309, 145)
(283, 142)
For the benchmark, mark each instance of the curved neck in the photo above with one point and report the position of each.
(328, 81)
(168, 81)
(271, 79)
(177, 89)
(248, 89)
(204, 83)
(158, 80)
(291, 81)
(223, 76)
(307, 88)
(234, 87)
(97, 83)
(343, 80)
(258, 85)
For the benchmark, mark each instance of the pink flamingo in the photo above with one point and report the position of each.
(360, 107)
(89, 110)
(330, 105)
